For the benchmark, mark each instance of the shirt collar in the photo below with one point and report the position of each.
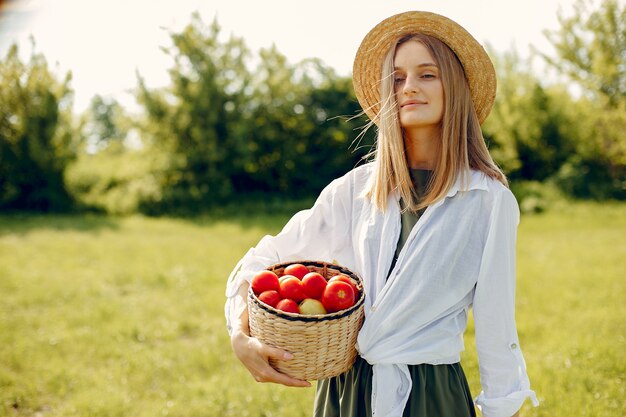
(477, 181)
(474, 180)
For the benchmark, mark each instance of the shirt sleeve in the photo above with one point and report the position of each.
(505, 383)
(317, 234)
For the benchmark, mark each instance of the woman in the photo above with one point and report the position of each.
(429, 225)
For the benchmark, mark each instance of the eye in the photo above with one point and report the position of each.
(429, 76)
(398, 77)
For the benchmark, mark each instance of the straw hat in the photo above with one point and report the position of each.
(367, 68)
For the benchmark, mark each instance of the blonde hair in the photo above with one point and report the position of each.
(461, 147)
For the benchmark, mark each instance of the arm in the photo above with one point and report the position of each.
(319, 233)
(502, 368)
(311, 234)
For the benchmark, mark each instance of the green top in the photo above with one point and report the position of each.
(408, 219)
(420, 178)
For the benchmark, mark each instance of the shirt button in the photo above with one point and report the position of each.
(513, 345)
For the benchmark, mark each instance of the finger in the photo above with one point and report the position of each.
(266, 373)
(279, 377)
(272, 375)
(277, 353)
(262, 371)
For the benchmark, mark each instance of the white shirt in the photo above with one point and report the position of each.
(461, 253)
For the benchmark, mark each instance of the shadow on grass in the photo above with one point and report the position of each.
(272, 213)
(268, 212)
(22, 223)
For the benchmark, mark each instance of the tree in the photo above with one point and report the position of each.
(528, 129)
(292, 141)
(36, 138)
(105, 123)
(225, 130)
(189, 121)
(300, 122)
(591, 51)
(274, 127)
(338, 129)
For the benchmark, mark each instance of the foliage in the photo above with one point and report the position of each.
(116, 180)
(190, 120)
(591, 50)
(528, 128)
(297, 127)
(104, 123)
(36, 135)
(233, 125)
(597, 167)
(106, 316)
(537, 196)
(227, 130)
(532, 132)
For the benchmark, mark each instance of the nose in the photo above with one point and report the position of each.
(410, 85)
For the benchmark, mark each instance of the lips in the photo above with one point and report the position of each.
(412, 102)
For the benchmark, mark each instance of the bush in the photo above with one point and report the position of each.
(535, 196)
(36, 141)
(115, 181)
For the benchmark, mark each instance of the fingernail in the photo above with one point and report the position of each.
(287, 356)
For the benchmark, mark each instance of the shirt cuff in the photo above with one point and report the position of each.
(504, 406)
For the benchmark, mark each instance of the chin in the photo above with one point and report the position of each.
(417, 124)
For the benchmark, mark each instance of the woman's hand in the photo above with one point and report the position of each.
(255, 357)
(254, 354)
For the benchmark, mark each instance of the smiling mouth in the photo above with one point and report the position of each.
(412, 103)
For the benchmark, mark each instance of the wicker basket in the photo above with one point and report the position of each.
(322, 345)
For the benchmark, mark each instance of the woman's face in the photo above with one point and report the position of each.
(418, 87)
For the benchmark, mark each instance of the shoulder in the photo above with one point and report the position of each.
(500, 200)
(362, 173)
(352, 182)
(494, 188)
(497, 199)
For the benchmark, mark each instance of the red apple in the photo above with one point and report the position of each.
(270, 297)
(288, 305)
(291, 287)
(348, 280)
(338, 295)
(264, 281)
(297, 270)
(310, 306)
(314, 285)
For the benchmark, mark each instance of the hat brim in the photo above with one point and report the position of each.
(367, 69)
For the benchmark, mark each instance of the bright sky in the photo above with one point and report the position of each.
(104, 42)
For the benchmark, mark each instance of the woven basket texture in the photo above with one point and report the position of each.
(323, 346)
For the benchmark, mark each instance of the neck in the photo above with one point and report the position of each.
(421, 147)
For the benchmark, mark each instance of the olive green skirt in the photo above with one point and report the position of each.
(437, 391)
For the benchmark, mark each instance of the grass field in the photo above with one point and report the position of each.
(105, 316)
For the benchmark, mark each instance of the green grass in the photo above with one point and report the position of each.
(104, 316)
